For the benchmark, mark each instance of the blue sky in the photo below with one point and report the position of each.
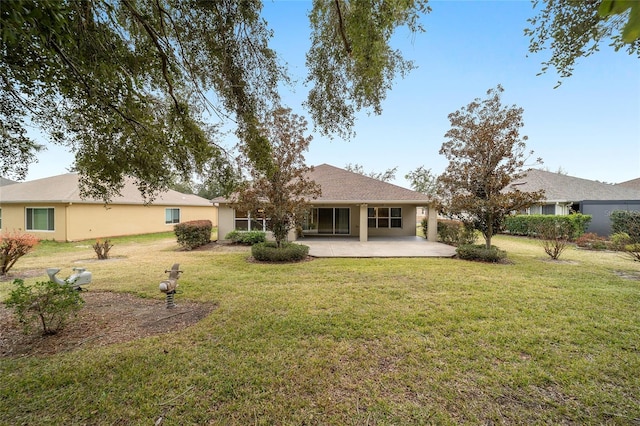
(589, 126)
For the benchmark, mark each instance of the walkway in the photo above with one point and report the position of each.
(376, 247)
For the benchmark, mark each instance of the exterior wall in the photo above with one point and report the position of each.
(601, 210)
(89, 221)
(408, 223)
(226, 221)
(14, 219)
(73, 222)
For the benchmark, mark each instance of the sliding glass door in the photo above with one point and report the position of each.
(328, 221)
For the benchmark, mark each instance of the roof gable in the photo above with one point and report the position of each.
(65, 189)
(339, 185)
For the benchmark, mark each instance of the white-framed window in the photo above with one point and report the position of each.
(40, 219)
(384, 217)
(250, 221)
(171, 216)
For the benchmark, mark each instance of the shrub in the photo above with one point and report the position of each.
(456, 233)
(627, 222)
(555, 235)
(194, 233)
(288, 252)
(424, 224)
(14, 245)
(592, 241)
(529, 225)
(246, 237)
(102, 249)
(47, 303)
(620, 240)
(480, 252)
(633, 250)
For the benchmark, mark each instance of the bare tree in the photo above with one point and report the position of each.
(386, 176)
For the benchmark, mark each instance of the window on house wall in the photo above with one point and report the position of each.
(549, 209)
(0, 218)
(247, 221)
(384, 217)
(40, 219)
(171, 216)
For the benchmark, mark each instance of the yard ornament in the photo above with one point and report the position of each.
(79, 278)
(169, 286)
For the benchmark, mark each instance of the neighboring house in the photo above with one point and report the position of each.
(52, 209)
(351, 204)
(565, 194)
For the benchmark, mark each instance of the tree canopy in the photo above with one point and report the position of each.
(572, 29)
(127, 84)
(486, 154)
(131, 86)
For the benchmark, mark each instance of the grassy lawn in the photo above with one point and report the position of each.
(350, 342)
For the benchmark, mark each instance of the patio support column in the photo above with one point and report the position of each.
(364, 228)
(432, 224)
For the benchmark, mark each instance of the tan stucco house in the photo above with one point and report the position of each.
(351, 205)
(52, 209)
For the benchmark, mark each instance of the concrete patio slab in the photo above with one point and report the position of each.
(376, 247)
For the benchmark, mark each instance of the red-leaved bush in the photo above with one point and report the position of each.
(14, 245)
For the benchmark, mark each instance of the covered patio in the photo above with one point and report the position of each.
(376, 247)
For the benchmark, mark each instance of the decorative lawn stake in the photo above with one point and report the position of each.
(170, 285)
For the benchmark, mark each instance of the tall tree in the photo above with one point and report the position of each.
(422, 180)
(386, 176)
(127, 84)
(572, 29)
(282, 193)
(486, 153)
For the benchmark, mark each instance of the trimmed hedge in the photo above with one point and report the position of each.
(529, 225)
(627, 222)
(246, 237)
(480, 252)
(288, 252)
(452, 232)
(194, 233)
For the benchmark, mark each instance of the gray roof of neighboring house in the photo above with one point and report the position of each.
(559, 187)
(4, 181)
(65, 189)
(633, 183)
(341, 186)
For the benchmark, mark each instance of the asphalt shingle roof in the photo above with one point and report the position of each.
(560, 187)
(633, 183)
(65, 189)
(339, 185)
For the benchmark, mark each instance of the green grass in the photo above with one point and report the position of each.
(351, 342)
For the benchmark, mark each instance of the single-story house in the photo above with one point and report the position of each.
(52, 209)
(565, 194)
(351, 205)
